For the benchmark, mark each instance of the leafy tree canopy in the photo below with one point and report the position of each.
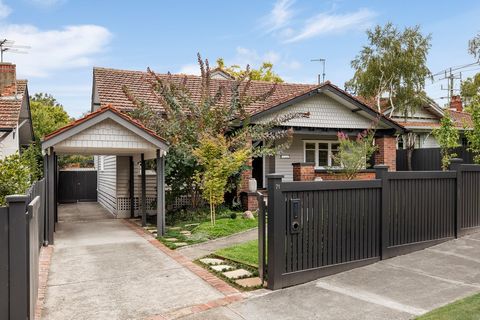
(392, 65)
(188, 123)
(264, 72)
(447, 136)
(47, 114)
(473, 132)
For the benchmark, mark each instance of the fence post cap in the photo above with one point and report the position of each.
(275, 176)
(16, 198)
(456, 160)
(381, 167)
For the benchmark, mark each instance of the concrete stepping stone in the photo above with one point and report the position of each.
(174, 228)
(249, 282)
(192, 224)
(180, 244)
(239, 273)
(171, 239)
(211, 261)
(221, 267)
(185, 233)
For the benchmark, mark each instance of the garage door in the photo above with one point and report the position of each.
(76, 186)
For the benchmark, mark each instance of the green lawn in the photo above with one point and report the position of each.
(204, 231)
(465, 309)
(246, 253)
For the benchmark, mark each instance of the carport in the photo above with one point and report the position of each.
(106, 131)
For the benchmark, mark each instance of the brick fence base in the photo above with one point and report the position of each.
(43, 270)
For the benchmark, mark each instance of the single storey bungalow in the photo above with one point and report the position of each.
(315, 141)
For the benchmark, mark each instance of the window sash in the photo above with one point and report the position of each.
(320, 146)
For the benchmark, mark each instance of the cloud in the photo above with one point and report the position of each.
(4, 10)
(279, 17)
(325, 23)
(52, 50)
(281, 63)
(190, 69)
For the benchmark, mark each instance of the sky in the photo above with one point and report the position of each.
(67, 38)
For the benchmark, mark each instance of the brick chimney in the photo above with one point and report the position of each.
(8, 79)
(456, 104)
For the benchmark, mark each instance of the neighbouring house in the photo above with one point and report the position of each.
(16, 129)
(330, 109)
(426, 118)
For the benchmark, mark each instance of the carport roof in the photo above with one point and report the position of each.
(106, 112)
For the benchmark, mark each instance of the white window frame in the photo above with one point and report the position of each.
(317, 142)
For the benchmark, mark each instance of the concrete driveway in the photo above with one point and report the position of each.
(102, 269)
(398, 288)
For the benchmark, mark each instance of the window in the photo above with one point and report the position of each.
(320, 152)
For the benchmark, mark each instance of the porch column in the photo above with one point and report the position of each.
(144, 195)
(131, 187)
(160, 194)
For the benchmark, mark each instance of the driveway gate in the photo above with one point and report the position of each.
(78, 185)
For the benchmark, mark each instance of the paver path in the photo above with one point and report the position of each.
(398, 288)
(202, 249)
(102, 269)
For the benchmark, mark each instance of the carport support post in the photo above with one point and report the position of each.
(160, 194)
(144, 196)
(132, 188)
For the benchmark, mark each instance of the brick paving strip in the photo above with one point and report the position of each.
(45, 258)
(231, 294)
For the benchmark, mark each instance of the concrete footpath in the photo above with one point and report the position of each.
(102, 269)
(398, 288)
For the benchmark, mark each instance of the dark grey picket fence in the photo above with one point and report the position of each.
(22, 233)
(320, 228)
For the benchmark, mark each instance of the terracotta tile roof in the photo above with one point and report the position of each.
(461, 119)
(101, 110)
(110, 82)
(10, 106)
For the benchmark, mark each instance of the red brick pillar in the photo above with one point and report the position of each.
(245, 176)
(387, 152)
(303, 171)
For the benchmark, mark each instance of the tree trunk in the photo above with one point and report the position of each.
(409, 159)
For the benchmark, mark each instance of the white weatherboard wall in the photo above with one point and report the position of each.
(106, 136)
(9, 143)
(325, 112)
(123, 185)
(107, 182)
(284, 160)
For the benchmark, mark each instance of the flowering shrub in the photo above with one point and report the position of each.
(352, 154)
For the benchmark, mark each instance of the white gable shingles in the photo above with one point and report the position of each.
(107, 134)
(325, 112)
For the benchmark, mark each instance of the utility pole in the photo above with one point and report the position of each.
(320, 80)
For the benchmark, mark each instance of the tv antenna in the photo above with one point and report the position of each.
(10, 46)
(320, 80)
